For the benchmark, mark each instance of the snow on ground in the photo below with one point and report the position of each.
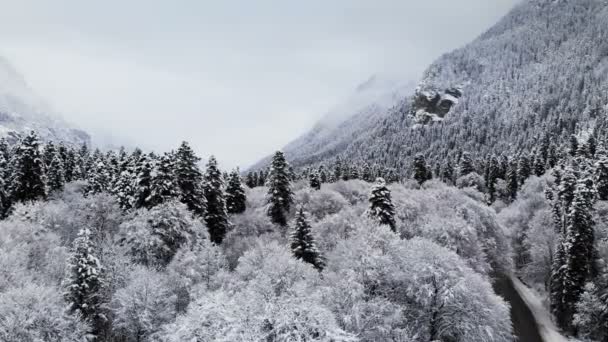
(548, 330)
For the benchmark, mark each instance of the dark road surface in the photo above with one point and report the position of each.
(524, 324)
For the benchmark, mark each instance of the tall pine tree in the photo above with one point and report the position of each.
(216, 216)
(303, 244)
(84, 280)
(236, 200)
(27, 178)
(189, 179)
(279, 196)
(381, 206)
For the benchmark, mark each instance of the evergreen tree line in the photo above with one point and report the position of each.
(34, 171)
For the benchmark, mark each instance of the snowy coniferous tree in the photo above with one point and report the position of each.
(84, 156)
(5, 203)
(262, 178)
(337, 174)
(142, 185)
(447, 173)
(250, 181)
(189, 179)
(48, 153)
(84, 280)
(492, 177)
(55, 174)
(601, 178)
(216, 216)
(578, 249)
(99, 177)
(538, 164)
(381, 207)
(27, 176)
(314, 181)
(279, 196)
(68, 158)
(512, 180)
(573, 145)
(421, 171)
(322, 174)
(367, 173)
(236, 200)
(303, 244)
(354, 172)
(524, 170)
(466, 165)
(163, 185)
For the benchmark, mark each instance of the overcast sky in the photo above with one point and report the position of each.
(238, 79)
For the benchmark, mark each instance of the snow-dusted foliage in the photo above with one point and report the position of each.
(155, 235)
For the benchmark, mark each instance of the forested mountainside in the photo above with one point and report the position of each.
(370, 102)
(541, 71)
(22, 110)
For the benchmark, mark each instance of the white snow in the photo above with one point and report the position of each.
(548, 331)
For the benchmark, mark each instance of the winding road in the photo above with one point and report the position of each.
(524, 324)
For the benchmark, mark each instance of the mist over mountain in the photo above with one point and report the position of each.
(542, 69)
(22, 110)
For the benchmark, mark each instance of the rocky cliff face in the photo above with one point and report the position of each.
(22, 110)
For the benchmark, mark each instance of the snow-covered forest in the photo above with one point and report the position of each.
(135, 246)
(472, 209)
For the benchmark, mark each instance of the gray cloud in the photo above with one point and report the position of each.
(235, 78)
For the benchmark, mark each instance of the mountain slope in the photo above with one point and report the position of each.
(22, 110)
(370, 102)
(542, 69)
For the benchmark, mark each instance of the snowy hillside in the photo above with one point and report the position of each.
(542, 69)
(22, 110)
(371, 101)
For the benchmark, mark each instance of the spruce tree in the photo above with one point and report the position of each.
(48, 153)
(123, 189)
(578, 249)
(55, 174)
(216, 216)
(492, 177)
(303, 244)
(163, 186)
(262, 178)
(314, 181)
(99, 177)
(27, 178)
(354, 172)
(466, 165)
(381, 206)
(421, 172)
(84, 280)
(367, 173)
(142, 185)
(5, 202)
(524, 170)
(322, 174)
(250, 181)
(189, 179)
(236, 201)
(279, 196)
(538, 164)
(601, 178)
(573, 145)
(512, 180)
(338, 169)
(447, 173)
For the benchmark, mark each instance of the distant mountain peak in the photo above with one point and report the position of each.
(22, 110)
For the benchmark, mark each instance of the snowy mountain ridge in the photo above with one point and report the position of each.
(542, 69)
(22, 110)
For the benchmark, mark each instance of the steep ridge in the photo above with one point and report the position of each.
(542, 69)
(22, 110)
